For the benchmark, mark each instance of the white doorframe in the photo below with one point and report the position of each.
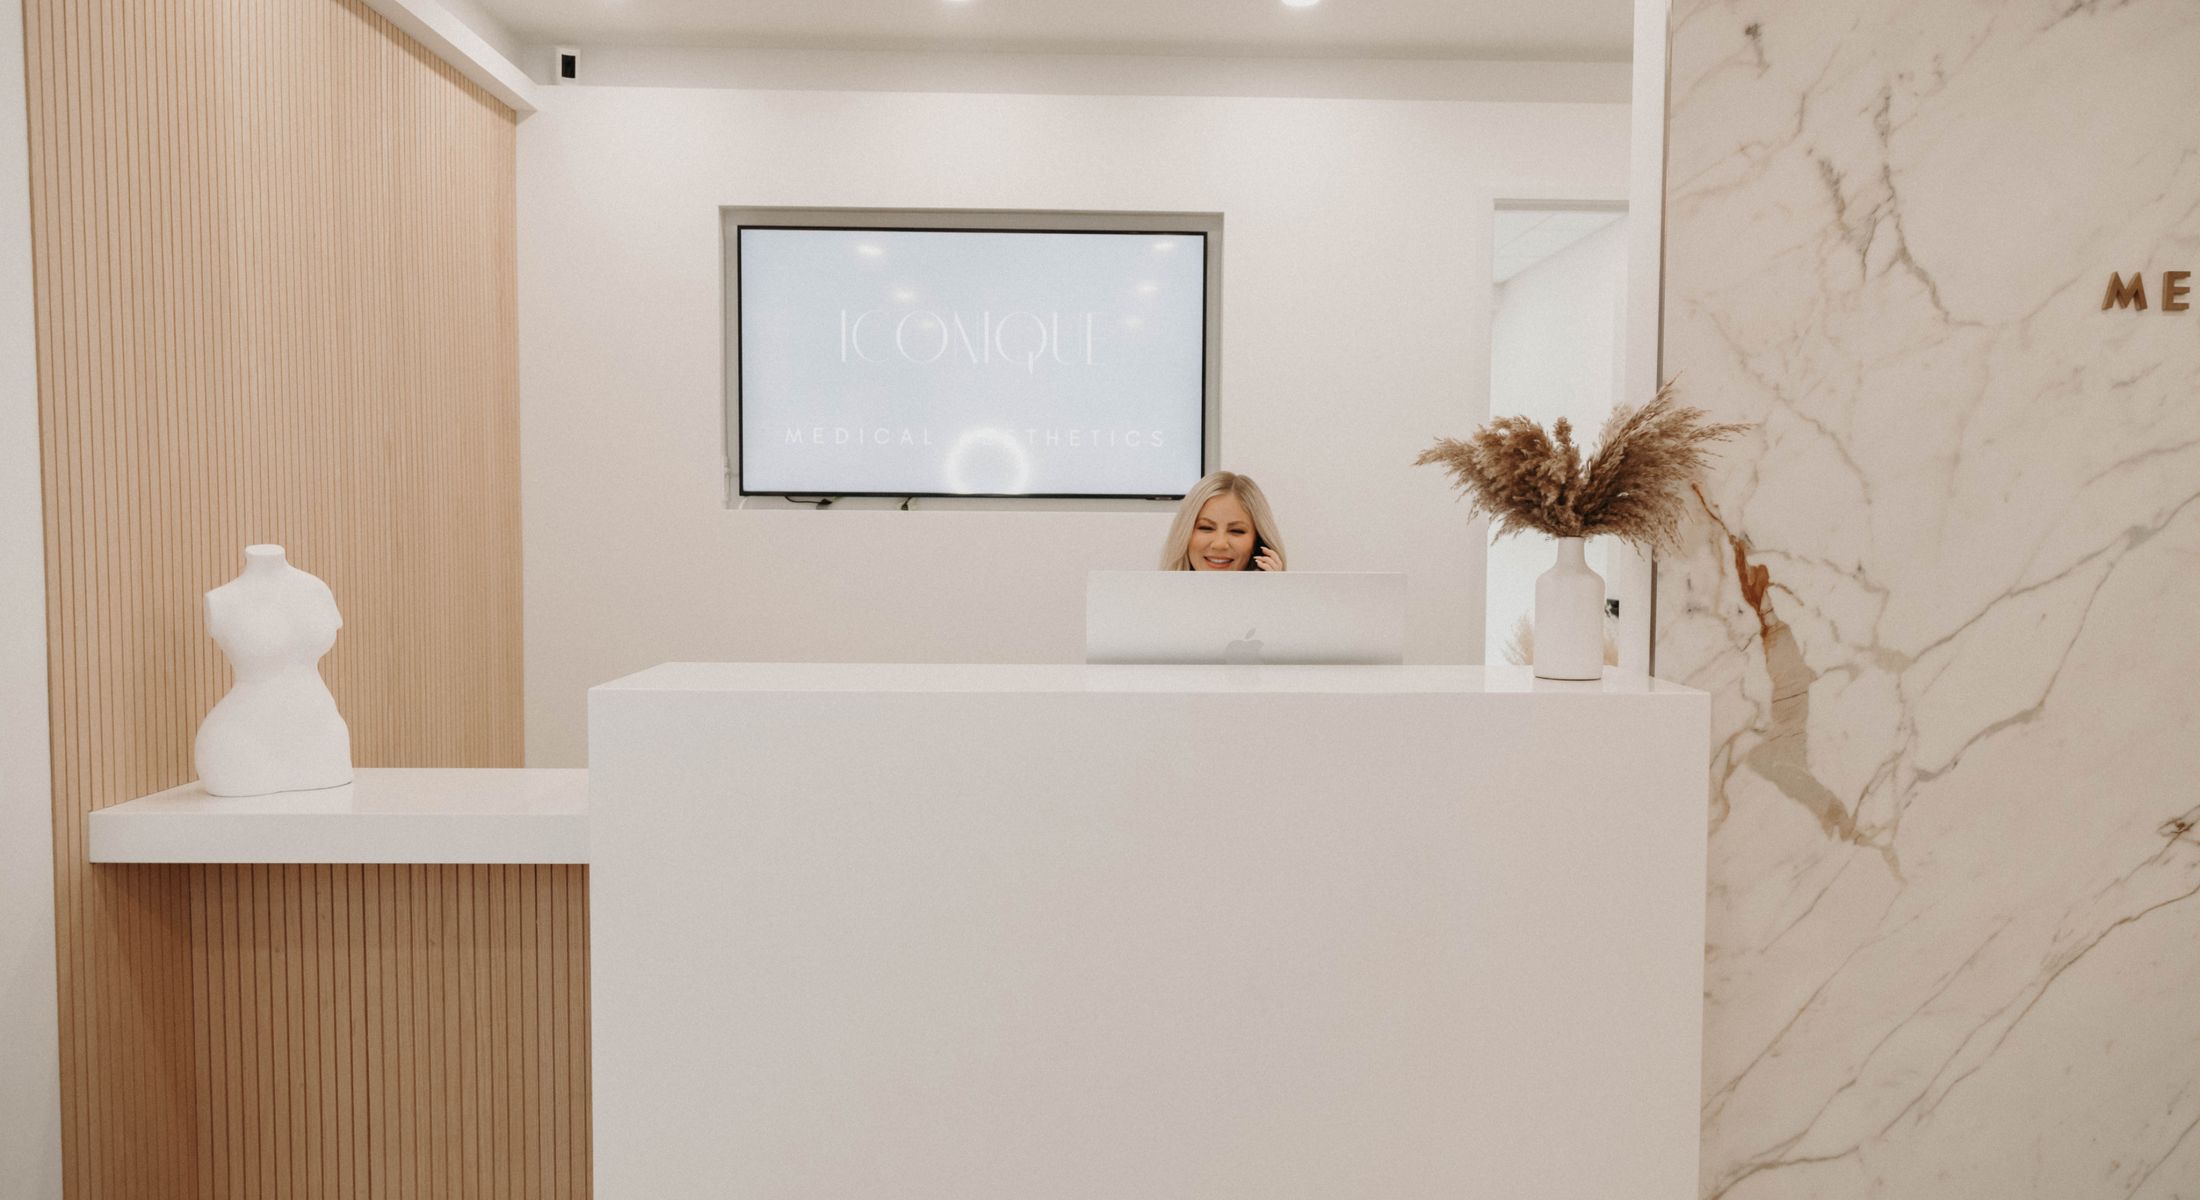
(1645, 277)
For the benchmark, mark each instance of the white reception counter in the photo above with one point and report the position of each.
(1056, 932)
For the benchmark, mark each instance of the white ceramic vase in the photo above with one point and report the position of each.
(278, 729)
(1569, 617)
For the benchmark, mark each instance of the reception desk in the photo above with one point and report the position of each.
(1056, 932)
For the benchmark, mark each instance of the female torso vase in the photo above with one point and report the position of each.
(1569, 617)
(278, 729)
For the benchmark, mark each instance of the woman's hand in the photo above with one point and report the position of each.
(1267, 561)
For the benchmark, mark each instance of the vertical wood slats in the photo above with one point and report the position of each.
(360, 1000)
(274, 248)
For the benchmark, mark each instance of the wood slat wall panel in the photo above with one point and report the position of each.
(274, 250)
(385, 981)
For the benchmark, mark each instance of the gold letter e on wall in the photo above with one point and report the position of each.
(2173, 291)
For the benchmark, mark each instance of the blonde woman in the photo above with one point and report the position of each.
(1223, 525)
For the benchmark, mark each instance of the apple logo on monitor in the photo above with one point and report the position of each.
(1244, 652)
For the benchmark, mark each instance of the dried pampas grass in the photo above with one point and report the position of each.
(1633, 488)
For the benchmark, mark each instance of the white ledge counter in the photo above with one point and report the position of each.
(385, 815)
(1004, 932)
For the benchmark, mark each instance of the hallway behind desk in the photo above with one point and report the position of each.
(1355, 233)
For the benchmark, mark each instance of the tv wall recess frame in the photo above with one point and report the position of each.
(1207, 228)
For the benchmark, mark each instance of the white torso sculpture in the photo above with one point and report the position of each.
(278, 729)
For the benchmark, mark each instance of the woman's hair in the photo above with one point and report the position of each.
(1176, 550)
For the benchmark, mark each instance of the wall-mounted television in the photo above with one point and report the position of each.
(938, 361)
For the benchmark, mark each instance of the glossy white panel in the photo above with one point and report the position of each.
(1946, 623)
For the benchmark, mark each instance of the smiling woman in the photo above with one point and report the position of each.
(1224, 524)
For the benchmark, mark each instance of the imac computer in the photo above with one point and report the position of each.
(1251, 617)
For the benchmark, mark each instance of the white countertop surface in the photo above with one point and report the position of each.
(1081, 677)
(385, 815)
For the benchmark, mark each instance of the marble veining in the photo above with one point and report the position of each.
(1941, 596)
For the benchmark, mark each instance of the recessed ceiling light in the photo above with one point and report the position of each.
(1300, 3)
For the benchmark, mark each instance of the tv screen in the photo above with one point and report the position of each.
(937, 362)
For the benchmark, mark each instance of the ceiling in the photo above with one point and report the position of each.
(1530, 30)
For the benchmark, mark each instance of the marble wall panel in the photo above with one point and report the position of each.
(1944, 593)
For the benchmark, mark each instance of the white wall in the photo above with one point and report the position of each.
(1354, 330)
(30, 1070)
(1557, 349)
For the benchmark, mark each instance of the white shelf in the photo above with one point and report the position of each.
(386, 815)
